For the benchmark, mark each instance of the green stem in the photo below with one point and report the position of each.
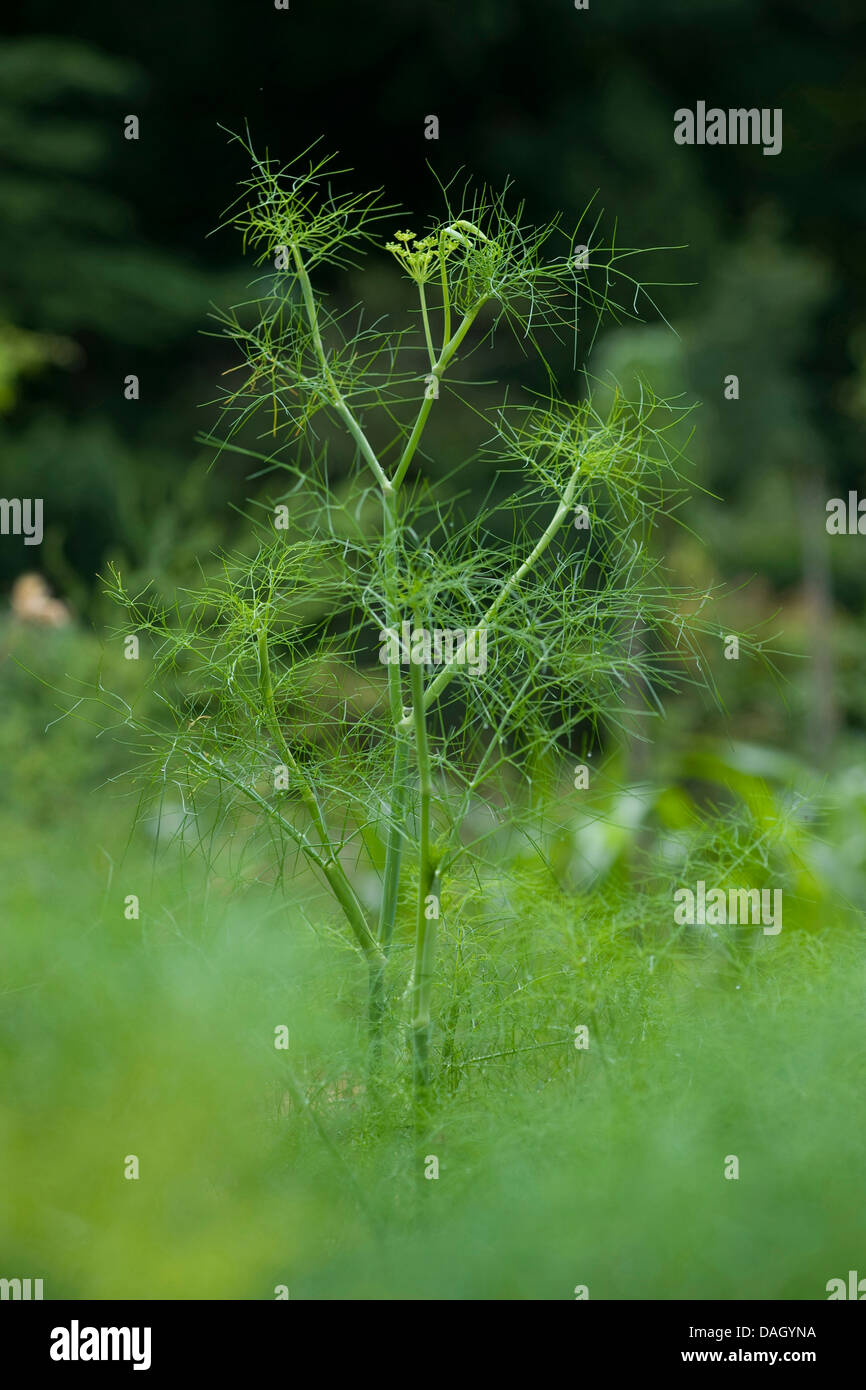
(446, 298)
(220, 771)
(428, 886)
(398, 796)
(426, 318)
(266, 688)
(376, 1017)
(336, 395)
(394, 849)
(335, 878)
(437, 369)
(327, 861)
(397, 805)
(449, 670)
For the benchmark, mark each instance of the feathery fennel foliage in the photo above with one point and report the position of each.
(276, 706)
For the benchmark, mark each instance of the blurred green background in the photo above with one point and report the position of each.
(153, 1036)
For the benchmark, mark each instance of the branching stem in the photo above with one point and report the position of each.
(449, 670)
(336, 395)
(328, 861)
